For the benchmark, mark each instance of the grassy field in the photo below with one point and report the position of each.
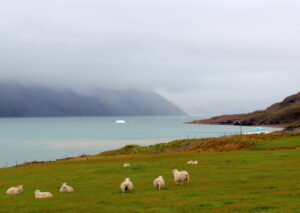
(252, 179)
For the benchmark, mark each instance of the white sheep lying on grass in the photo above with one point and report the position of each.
(159, 182)
(181, 177)
(39, 194)
(14, 190)
(192, 162)
(126, 186)
(66, 188)
(126, 164)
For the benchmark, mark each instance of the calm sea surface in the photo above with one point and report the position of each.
(29, 139)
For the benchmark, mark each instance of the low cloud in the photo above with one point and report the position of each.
(208, 57)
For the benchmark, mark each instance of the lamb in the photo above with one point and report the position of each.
(192, 162)
(159, 182)
(181, 177)
(126, 186)
(15, 190)
(126, 164)
(41, 195)
(66, 188)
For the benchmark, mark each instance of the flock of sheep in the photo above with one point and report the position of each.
(180, 177)
(38, 194)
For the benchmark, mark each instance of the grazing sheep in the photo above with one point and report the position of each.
(66, 188)
(181, 177)
(192, 162)
(14, 190)
(159, 182)
(126, 186)
(40, 195)
(126, 164)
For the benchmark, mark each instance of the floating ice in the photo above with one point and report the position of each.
(120, 122)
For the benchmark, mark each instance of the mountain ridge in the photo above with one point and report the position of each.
(17, 100)
(284, 112)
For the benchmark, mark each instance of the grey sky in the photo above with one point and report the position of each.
(209, 57)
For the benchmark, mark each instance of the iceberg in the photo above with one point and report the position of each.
(120, 122)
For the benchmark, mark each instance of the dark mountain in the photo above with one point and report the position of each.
(17, 100)
(134, 102)
(285, 112)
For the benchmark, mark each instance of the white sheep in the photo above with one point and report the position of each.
(126, 164)
(192, 162)
(181, 177)
(159, 182)
(40, 195)
(14, 190)
(66, 188)
(126, 186)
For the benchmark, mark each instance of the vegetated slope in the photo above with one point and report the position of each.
(287, 111)
(223, 144)
(17, 100)
(271, 141)
(241, 181)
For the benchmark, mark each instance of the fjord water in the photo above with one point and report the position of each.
(30, 139)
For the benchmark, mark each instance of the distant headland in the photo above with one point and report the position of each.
(284, 113)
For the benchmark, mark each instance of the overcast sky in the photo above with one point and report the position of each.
(208, 57)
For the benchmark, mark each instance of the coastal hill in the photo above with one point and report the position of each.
(17, 100)
(285, 112)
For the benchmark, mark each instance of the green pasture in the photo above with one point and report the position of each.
(236, 181)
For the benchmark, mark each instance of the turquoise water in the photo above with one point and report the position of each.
(29, 139)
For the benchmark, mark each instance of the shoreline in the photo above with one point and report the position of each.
(87, 155)
(98, 155)
(280, 126)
